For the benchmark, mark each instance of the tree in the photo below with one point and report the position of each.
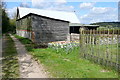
(12, 25)
(5, 19)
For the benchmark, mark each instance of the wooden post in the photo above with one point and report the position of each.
(99, 34)
(90, 44)
(93, 48)
(104, 53)
(32, 36)
(87, 43)
(107, 50)
(97, 44)
(81, 41)
(70, 36)
(111, 58)
(117, 53)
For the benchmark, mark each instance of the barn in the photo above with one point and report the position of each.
(43, 26)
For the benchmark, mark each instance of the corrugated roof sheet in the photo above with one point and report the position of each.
(78, 24)
(61, 15)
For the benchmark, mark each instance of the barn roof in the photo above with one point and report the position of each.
(85, 25)
(61, 15)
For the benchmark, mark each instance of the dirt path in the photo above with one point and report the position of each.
(28, 67)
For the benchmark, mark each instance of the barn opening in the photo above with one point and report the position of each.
(74, 30)
(74, 27)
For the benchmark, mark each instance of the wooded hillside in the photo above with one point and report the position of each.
(107, 24)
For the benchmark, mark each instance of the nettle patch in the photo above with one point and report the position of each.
(64, 46)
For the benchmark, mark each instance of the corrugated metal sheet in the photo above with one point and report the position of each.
(61, 15)
(78, 24)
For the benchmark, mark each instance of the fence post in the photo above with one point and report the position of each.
(93, 47)
(117, 53)
(104, 53)
(81, 42)
(112, 41)
(97, 44)
(99, 51)
(107, 50)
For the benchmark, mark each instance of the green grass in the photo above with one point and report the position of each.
(10, 67)
(62, 65)
(23, 40)
(102, 51)
(28, 43)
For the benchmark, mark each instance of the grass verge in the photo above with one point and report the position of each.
(62, 65)
(28, 43)
(10, 66)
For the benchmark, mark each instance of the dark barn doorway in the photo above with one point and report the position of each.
(74, 29)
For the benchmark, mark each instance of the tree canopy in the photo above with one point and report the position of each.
(8, 25)
(5, 19)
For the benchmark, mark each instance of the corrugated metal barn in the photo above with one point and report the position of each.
(42, 26)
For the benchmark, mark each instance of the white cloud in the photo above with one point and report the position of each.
(67, 0)
(43, 4)
(55, 5)
(24, 4)
(96, 20)
(61, 8)
(86, 5)
(102, 9)
(61, 1)
(98, 14)
(37, 3)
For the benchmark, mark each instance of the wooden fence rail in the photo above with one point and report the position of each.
(101, 46)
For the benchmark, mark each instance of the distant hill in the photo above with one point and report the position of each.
(107, 24)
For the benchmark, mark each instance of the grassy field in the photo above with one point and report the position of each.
(70, 65)
(10, 66)
(62, 65)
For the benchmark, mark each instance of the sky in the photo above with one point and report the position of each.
(86, 11)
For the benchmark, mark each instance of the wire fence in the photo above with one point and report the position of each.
(101, 46)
